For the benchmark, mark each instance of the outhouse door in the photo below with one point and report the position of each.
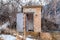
(29, 22)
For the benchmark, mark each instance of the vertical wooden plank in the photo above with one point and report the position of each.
(37, 20)
(24, 26)
(40, 18)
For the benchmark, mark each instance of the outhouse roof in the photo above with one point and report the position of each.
(34, 6)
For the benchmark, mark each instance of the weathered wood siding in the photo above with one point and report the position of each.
(37, 17)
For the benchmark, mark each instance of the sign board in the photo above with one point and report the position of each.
(20, 22)
(29, 10)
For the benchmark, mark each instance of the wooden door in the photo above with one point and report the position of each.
(29, 22)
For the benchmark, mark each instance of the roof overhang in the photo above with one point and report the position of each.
(34, 6)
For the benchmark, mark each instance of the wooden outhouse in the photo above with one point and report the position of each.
(32, 18)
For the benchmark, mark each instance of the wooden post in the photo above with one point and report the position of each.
(24, 26)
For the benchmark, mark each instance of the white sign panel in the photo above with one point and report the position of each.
(29, 10)
(20, 22)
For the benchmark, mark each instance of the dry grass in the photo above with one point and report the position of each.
(12, 32)
(1, 38)
(56, 35)
(50, 36)
(46, 36)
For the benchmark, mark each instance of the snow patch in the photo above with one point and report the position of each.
(29, 39)
(8, 37)
(4, 26)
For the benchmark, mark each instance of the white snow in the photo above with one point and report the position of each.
(4, 26)
(29, 38)
(8, 37)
